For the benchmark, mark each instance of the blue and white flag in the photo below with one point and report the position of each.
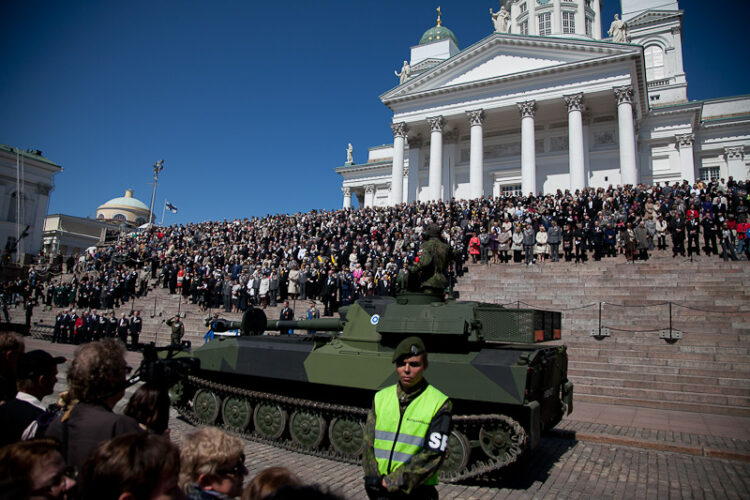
(171, 207)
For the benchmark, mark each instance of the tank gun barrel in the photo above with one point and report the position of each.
(322, 324)
(254, 322)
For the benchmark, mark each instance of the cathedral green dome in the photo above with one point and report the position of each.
(437, 33)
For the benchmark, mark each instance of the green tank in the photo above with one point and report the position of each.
(311, 392)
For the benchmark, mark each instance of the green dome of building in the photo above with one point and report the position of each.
(437, 33)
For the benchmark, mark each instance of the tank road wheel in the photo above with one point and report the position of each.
(456, 455)
(307, 429)
(502, 440)
(206, 405)
(177, 393)
(347, 436)
(269, 420)
(236, 412)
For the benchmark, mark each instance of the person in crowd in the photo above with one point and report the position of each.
(395, 464)
(268, 481)
(123, 327)
(132, 467)
(212, 465)
(541, 248)
(36, 377)
(34, 470)
(96, 382)
(474, 248)
(287, 313)
(149, 405)
(12, 348)
(177, 329)
(554, 238)
(136, 325)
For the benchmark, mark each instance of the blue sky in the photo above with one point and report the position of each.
(250, 104)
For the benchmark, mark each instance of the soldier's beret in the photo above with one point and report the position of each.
(410, 346)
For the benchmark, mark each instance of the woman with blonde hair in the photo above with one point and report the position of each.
(212, 464)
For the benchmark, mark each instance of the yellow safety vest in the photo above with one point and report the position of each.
(399, 437)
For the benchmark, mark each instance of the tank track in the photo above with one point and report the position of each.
(467, 424)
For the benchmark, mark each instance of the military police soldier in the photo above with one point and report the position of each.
(178, 329)
(407, 431)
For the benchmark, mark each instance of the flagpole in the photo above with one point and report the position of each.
(163, 209)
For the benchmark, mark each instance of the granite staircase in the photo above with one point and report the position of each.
(615, 313)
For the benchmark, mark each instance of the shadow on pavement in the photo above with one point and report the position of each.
(531, 468)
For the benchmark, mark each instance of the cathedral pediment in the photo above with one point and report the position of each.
(653, 16)
(501, 57)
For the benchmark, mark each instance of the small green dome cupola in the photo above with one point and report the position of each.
(437, 33)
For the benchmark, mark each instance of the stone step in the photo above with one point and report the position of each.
(665, 395)
(742, 383)
(678, 385)
(662, 404)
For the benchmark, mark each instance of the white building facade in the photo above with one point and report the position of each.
(544, 103)
(26, 180)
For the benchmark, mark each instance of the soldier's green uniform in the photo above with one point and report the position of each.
(430, 270)
(411, 479)
(178, 330)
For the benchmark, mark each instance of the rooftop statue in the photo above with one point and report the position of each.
(349, 151)
(405, 72)
(501, 19)
(618, 30)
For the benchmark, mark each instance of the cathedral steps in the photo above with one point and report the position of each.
(707, 370)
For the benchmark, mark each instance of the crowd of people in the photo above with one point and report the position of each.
(341, 255)
(81, 448)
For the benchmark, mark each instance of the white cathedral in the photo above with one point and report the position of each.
(545, 103)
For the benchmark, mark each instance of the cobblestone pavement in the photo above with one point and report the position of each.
(560, 467)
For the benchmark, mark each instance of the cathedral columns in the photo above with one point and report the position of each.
(736, 162)
(347, 197)
(412, 184)
(436, 157)
(397, 171)
(687, 164)
(369, 195)
(626, 127)
(476, 155)
(575, 141)
(528, 147)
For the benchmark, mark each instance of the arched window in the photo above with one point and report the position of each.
(100, 216)
(119, 218)
(140, 221)
(654, 62)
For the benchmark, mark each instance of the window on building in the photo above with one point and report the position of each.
(522, 7)
(525, 27)
(140, 221)
(654, 56)
(707, 174)
(119, 218)
(568, 22)
(510, 190)
(545, 23)
(589, 27)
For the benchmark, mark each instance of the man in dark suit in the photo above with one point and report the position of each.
(136, 324)
(287, 314)
(19, 417)
(328, 294)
